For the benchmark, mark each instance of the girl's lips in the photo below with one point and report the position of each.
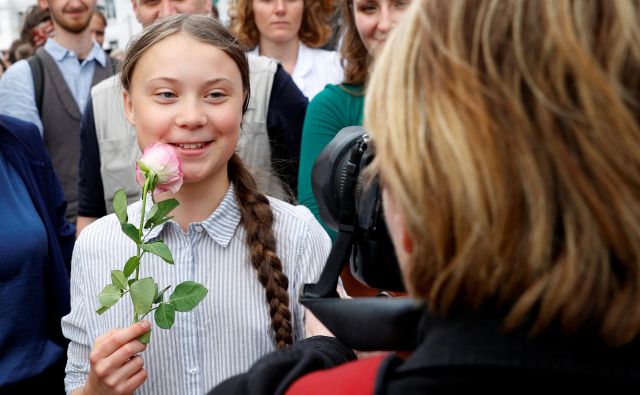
(191, 148)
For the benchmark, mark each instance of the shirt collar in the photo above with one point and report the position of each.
(304, 62)
(58, 52)
(221, 225)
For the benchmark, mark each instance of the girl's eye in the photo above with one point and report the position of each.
(367, 8)
(166, 95)
(216, 95)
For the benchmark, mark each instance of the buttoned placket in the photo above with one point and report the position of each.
(190, 339)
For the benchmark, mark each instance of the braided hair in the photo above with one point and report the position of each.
(257, 219)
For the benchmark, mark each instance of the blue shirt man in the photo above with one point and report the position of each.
(70, 63)
(17, 93)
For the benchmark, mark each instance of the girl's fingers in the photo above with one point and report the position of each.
(101, 339)
(128, 370)
(134, 381)
(118, 338)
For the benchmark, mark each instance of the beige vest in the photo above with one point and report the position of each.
(119, 148)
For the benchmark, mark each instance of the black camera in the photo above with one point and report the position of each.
(348, 202)
(352, 205)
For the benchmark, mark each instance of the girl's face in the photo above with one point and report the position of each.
(375, 19)
(278, 21)
(188, 94)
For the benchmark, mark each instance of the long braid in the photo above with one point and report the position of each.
(257, 219)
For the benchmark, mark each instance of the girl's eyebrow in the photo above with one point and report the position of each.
(177, 81)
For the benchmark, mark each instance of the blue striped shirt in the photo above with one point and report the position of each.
(223, 335)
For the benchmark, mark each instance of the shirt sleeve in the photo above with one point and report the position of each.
(74, 324)
(17, 94)
(285, 117)
(90, 189)
(312, 258)
(323, 121)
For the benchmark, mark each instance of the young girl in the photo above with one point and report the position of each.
(186, 84)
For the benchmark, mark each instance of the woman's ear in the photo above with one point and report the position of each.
(128, 107)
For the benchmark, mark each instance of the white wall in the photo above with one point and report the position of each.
(10, 18)
(121, 28)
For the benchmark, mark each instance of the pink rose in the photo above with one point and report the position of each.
(161, 160)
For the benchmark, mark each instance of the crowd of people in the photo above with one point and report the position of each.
(507, 144)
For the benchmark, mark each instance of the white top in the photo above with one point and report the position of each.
(229, 330)
(315, 68)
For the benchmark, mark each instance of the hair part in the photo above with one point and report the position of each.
(515, 125)
(315, 30)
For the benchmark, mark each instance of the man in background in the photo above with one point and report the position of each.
(51, 89)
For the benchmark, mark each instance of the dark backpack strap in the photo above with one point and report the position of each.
(37, 73)
(115, 65)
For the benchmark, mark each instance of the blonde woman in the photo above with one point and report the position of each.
(290, 31)
(507, 139)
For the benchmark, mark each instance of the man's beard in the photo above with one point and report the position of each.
(70, 25)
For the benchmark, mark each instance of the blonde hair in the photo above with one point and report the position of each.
(315, 30)
(508, 133)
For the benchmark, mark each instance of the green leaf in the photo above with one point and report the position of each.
(165, 315)
(163, 208)
(158, 248)
(163, 220)
(109, 296)
(131, 266)
(131, 231)
(150, 214)
(120, 206)
(119, 280)
(145, 338)
(142, 293)
(100, 310)
(131, 281)
(160, 297)
(187, 295)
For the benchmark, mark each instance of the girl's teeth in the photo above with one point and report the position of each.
(191, 146)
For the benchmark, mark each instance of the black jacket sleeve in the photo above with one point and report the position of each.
(285, 118)
(275, 372)
(90, 189)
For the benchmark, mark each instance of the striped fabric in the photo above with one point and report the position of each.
(229, 330)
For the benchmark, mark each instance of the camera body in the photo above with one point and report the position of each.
(348, 202)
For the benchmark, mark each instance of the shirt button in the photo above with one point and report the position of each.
(193, 371)
(198, 228)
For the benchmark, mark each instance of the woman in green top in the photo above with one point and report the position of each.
(366, 26)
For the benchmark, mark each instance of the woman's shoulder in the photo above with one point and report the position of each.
(338, 95)
(297, 217)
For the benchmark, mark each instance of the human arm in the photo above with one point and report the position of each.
(91, 204)
(285, 118)
(17, 94)
(276, 371)
(94, 361)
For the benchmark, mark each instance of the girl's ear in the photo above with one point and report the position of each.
(128, 107)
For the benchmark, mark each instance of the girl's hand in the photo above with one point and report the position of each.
(115, 366)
